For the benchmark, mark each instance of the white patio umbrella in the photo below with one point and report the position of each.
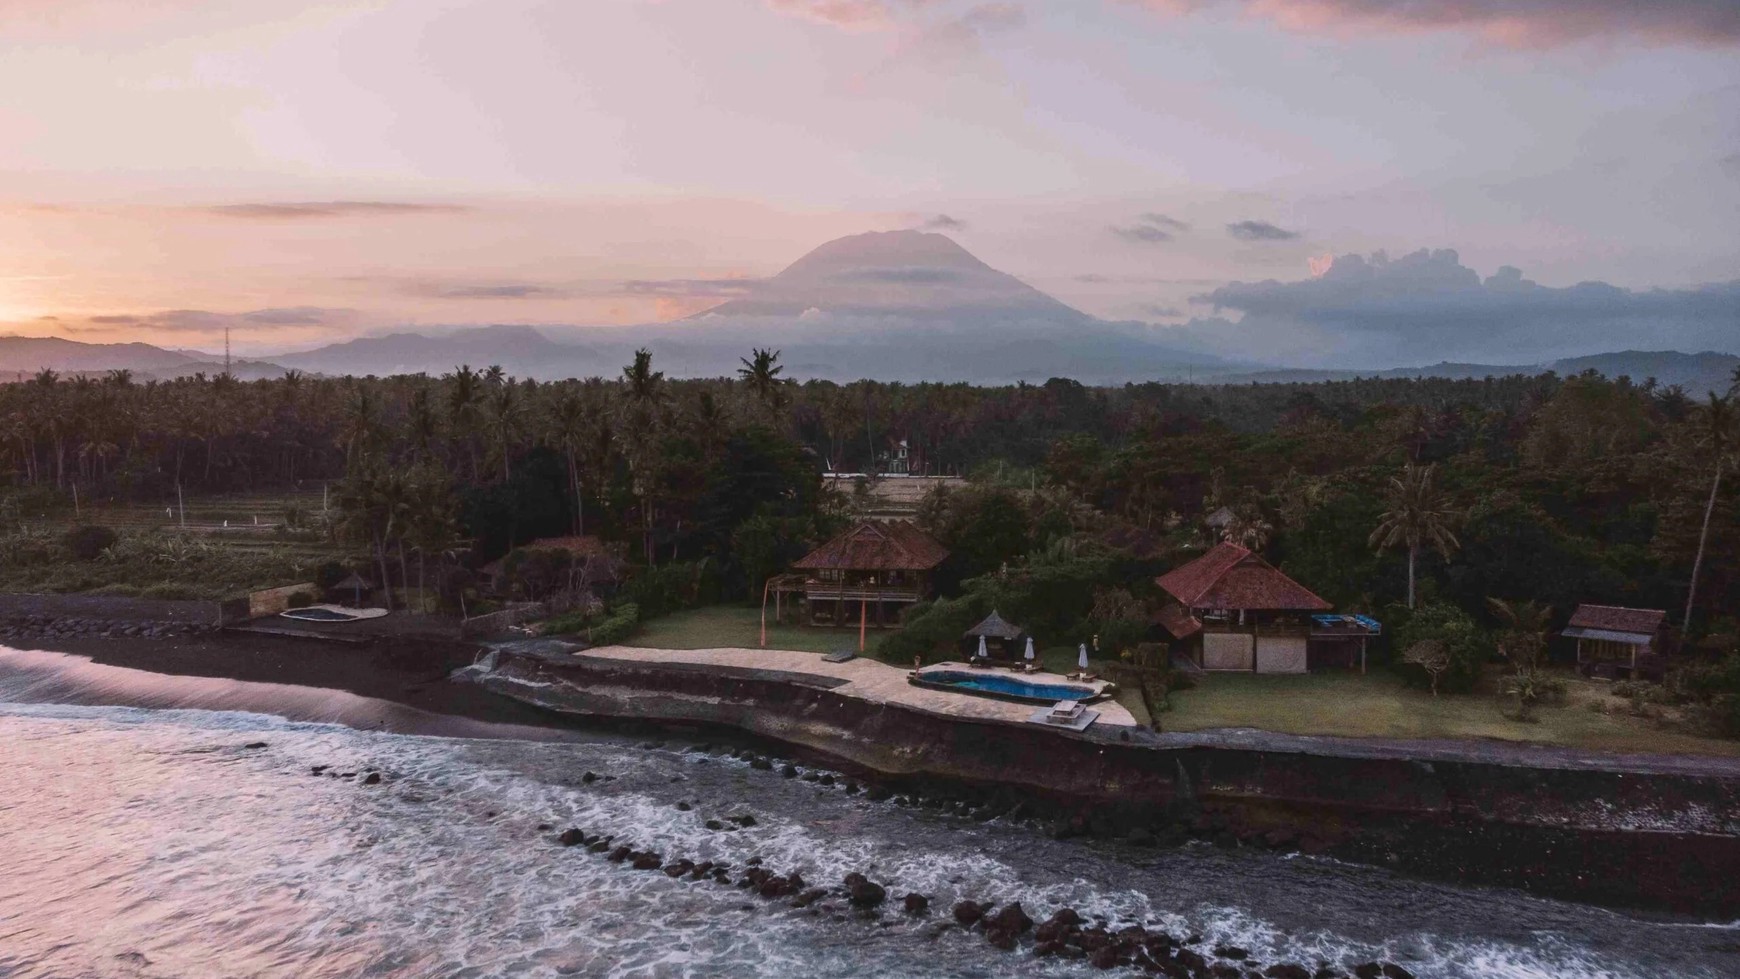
(1029, 649)
(1081, 659)
(982, 653)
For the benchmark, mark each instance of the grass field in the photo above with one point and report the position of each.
(731, 625)
(1379, 704)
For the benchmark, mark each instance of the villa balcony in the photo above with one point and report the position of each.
(829, 591)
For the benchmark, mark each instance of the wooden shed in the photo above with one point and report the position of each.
(1616, 642)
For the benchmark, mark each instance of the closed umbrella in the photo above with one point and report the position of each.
(982, 653)
(1081, 660)
(1030, 649)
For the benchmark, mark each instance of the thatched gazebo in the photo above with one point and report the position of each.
(1002, 638)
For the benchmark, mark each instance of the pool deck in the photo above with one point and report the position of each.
(866, 679)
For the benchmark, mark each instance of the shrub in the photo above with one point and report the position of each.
(329, 574)
(300, 599)
(1461, 641)
(89, 542)
(931, 627)
(170, 591)
(617, 626)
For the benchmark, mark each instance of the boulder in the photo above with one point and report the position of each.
(648, 861)
(372, 778)
(742, 819)
(863, 892)
(761, 764)
(1232, 952)
(1011, 919)
(1368, 970)
(571, 837)
(1287, 971)
(1394, 971)
(968, 913)
(788, 771)
(916, 903)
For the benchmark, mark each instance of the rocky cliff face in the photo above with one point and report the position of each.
(1654, 839)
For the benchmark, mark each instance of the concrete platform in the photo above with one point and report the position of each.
(866, 679)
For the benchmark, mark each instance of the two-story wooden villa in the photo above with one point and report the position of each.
(869, 573)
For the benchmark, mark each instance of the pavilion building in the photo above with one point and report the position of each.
(1234, 611)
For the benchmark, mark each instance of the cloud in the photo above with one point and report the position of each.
(1160, 311)
(1512, 23)
(486, 290)
(1259, 231)
(691, 288)
(206, 322)
(1151, 229)
(848, 14)
(1428, 306)
(942, 222)
(326, 209)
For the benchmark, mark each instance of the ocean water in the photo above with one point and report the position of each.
(151, 841)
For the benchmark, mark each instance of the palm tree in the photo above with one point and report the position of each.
(761, 376)
(643, 394)
(567, 425)
(1418, 516)
(505, 415)
(1522, 639)
(1718, 434)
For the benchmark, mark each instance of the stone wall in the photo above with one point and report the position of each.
(111, 608)
(1662, 839)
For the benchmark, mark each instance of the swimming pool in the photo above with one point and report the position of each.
(1006, 687)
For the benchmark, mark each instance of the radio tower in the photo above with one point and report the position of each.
(226, 351)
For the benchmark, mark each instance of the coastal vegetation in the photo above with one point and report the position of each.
(1414, 500)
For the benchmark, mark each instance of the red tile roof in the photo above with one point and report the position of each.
(1178, 622)
(871, 545)
(1642, 621)
(1231, 577)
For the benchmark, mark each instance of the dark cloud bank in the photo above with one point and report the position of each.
(1427, 306)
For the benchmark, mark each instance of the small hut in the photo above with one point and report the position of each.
(1614, 642)
(1002, 639)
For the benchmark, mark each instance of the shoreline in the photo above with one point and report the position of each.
(1642, 832)
(1647, 833)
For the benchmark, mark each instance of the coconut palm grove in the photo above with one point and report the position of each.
(1430, 504)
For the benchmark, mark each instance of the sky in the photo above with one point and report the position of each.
(1367, 179)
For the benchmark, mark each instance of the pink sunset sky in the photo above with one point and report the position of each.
(303, 171)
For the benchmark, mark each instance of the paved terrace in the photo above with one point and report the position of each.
(864, 678)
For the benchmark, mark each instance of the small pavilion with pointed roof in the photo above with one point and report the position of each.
(1002, 638)
(1234, 611)
(868, 573)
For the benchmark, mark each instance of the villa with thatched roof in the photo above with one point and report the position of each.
(869, 572)
(1234, 611)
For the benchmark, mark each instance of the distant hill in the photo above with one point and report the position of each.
(520, 350)
(1699, 374)
(23, 357)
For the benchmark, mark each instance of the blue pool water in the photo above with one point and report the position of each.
(1008, 686)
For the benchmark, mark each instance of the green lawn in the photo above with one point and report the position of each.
(731, 625)
(1379, 704)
